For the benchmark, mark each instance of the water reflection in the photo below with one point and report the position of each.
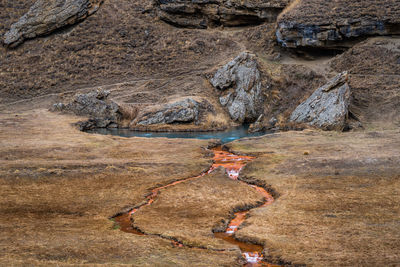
(225, 136)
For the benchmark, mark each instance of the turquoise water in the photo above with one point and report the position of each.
(225, 136)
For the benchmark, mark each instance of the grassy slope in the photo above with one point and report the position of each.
(320, 12)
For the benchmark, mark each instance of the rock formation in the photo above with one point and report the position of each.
(205, 13)
(241, 86)
(327, 107)
(95, 105)
(320, 23)
(182, 111)
(46, 16)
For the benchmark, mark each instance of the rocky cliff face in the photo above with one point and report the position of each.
(205, 13)
(319, 23)
(46, 16)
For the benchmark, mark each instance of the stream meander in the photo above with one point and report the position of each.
(233, 164)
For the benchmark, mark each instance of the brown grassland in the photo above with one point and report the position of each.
(337, 197)
(338, 201)
(60, 186)
(337, 194)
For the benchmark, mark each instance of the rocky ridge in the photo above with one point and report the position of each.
(325, 24)
(206, 13)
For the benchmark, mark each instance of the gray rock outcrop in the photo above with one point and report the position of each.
(327, 108)
(182, 111)
(328, 24)
(205, 13)
(46, 16)
(102, 112)
(241, 86)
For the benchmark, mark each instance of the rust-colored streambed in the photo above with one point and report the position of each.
(233, 165)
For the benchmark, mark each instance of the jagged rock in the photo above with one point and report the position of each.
(102, 112)
(205, 13)
(320, 23)
(240, 82)
(46, 16)
(183, 111)
(327, 107)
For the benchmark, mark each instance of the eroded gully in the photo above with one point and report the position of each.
(233, 164)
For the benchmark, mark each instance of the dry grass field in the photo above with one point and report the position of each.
(60, 186)
(337, 194)
(194, 208)
(338, 201)
(337, 197)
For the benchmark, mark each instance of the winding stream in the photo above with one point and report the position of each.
(233, 165)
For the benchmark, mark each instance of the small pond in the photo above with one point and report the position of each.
(225, 136)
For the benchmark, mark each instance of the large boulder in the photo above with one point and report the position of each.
(46, 16)
(95, 105)
(327, 24)
(327, 108)
(241, 88)
(205, 13)
(182, 111)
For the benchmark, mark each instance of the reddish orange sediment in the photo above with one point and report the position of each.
(125, 224)
(233, 164)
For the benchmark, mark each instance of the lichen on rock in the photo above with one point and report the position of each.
(327, 107)
(46, 16)
(241, 86)
(101, 111)
(183, 111)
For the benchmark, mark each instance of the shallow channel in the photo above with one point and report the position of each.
(229, 135)
(252, 253)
